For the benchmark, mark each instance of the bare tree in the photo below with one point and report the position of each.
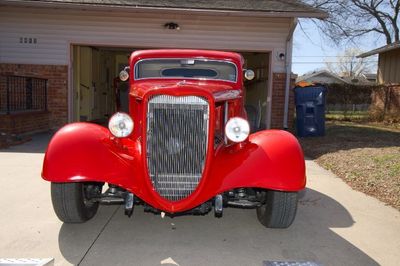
(348, 65)
(352, 19)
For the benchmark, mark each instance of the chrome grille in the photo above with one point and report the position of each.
(176, 139)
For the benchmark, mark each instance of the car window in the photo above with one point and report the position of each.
(186, 68)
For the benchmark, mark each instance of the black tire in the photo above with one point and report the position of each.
(70, 203)
(279, 209)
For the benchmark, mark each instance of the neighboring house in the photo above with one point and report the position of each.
(321, 76)
(371, 77)
(327, 77)
(359, 80)
(59, 59)
(388, 63)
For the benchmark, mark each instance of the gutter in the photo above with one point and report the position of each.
(288, 65)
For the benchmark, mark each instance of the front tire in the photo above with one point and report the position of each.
(279, 209)
(70, 202)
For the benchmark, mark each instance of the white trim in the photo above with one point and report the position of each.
(269, 93)
(289, 50)
(70, 110)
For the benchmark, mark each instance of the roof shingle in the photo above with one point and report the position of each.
(263, 6)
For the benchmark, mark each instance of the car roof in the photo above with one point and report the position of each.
(187, 53)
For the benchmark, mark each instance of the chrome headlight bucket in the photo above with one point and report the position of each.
(237, 129)
(120, 125)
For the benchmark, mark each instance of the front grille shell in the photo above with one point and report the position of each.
(176, 143)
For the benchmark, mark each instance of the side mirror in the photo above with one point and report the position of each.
(249, 74)
(124, 74)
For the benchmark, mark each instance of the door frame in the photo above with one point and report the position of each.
(71, 76)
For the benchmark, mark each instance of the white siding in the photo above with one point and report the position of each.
(56, 29)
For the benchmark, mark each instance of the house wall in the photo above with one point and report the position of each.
(278, 101)
(56, 29)
(24, 122)
(57, 100)
(389, 67)
(51, 32)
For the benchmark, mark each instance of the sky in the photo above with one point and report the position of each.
(311, 50)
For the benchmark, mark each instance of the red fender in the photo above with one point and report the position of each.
(87, 152)
(270, 159)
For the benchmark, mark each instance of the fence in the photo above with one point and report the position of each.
(22, 94)
(386, 103)
(376, 102)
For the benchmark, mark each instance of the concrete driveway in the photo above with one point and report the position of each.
(334, 226)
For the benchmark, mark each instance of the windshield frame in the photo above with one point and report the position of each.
(186, 78)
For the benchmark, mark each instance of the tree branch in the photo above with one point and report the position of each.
(350, 19)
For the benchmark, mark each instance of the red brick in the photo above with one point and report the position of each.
(57, 99)
(278, 101)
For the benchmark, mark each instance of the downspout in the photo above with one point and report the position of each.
(288, 66)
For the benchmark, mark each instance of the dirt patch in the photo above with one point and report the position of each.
(365, 157)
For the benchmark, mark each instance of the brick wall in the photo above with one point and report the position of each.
(57, 99)
(278, 101)
(25, 122)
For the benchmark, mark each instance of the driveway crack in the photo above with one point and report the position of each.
(98, 235)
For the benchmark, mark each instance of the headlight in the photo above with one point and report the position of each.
(124, 75)
(120, 125)
(237, 129)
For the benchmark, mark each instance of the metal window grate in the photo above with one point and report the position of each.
(19, 94)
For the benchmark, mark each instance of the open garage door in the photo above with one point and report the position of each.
(95, 77)
(257, 89)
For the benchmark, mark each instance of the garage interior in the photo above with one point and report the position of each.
(95, 78)
(95, 75)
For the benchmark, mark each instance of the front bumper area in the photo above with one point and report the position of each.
(80, 152)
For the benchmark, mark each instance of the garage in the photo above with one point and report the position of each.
(78, 47)
(95, 80)
(95, 83)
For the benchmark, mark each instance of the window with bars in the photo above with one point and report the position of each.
(21, 94)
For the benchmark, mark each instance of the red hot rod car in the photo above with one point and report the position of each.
(185, 146)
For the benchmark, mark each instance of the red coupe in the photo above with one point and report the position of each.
(184, 147)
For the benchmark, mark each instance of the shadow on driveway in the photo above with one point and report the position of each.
(38, 144)
(235, 239)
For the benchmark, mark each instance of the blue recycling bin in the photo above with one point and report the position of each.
(310, 110)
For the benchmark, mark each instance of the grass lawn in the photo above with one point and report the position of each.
(347, 116)
(367, 157)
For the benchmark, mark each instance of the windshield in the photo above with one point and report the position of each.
(186, 68)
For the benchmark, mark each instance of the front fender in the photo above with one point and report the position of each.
(271, 159)
(88, 152)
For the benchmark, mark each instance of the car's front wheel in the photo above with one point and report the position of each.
(279, 209)
(71, 201)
